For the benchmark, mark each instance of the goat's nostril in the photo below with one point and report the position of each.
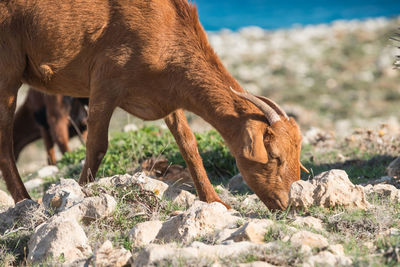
(281, 205)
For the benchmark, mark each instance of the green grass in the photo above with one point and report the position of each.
(127, 150)
(14, 246)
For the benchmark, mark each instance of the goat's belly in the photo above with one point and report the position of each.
(64, 81)
(147, 109)
(66, 87)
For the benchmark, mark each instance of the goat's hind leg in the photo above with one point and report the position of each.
(8, 98)
(186, 141)
(100, 112)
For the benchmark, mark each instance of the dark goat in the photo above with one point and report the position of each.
(54, 118)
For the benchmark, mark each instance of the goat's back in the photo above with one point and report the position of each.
(64, 40)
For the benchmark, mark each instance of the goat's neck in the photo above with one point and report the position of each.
(211, 99)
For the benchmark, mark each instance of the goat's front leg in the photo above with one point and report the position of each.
(100, 112)
(8, 97)
(186, 141)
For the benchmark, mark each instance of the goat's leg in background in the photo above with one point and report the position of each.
(49, 144)
(187, 144)
(25, 130)
(8, 98)
(57, 114)
(100, 111)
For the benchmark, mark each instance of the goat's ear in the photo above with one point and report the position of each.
(253, 146)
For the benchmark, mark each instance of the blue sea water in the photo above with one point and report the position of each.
(267, 14)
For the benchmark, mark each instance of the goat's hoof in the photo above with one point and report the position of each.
(226, 205)
(220, 201)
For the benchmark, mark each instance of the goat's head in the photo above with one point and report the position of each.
(269, 157)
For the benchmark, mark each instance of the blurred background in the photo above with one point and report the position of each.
(235, 14)
(329, 63)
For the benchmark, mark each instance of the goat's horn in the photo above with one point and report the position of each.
(274, 105)
(271, 115)
(303, 168)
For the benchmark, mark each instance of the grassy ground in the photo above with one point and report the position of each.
(337, 78)
(364, 155)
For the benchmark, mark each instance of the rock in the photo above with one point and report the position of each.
(337, 249)
(305, 249)
(328, 189)
(369, 245)
(106, 255)
(383, 179)
(180, 197)
(326, 258)
(256, 264)
(34, 183)
(315, 136)
(159, 188)
(309, 221)
(390, 232)
(64, 194)
(24, 212)
(237, 184)
(6, 200)
(394, 168)
(334, 188)
(226, 196)
(309, 239)
(173, 174)
(387, 190)
(83, 262)
(368, 189)
(253, 231)
(154, 185)
(90, 209)
(250, 201)
(223, 235)
(144, 233)
(98, 207)
(58, 236)
(124, 179)
(301, 194)
(130, 128)
(48, 171)
(154, 254)
(199, 220)
(162, 189)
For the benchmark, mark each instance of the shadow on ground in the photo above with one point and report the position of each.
(359, 170)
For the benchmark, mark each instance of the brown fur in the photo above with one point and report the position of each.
(48, 117)
(151, 58)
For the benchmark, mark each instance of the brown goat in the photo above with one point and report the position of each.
(55, 118)
(151, 58)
